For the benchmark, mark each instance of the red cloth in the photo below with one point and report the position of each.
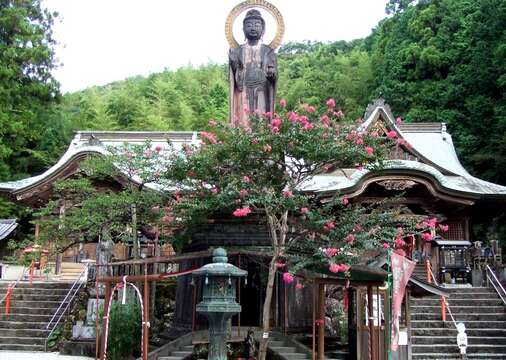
(402, 269)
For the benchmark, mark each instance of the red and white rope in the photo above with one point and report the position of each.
(123, 286)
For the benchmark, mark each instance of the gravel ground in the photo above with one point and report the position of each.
(22, 355)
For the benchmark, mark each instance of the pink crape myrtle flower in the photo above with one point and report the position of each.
(282, 103)
(328, 226)
(242, 212)
(345, 201)
(350, 238)
(334, 268)
(398, 121)
(339, 114)
(331, 103)
(443, 227)
(287, 194)
(209, 137)
(386, 245)
(391, 134)
(276, 122)
(304, 210)
(330, 252)
(158, 148)
(369, 150)
(293, 117)
(299, 286)
(308, 126)
(431, 223)
(246, 179)
(288, 278)
(427, 236)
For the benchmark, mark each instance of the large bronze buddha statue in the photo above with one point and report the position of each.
(253, 72)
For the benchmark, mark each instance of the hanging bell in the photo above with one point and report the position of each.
(207, 280)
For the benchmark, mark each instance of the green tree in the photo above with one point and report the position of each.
(263, 170)
(443, 61)
(27, 88)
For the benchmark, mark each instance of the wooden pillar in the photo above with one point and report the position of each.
(145, 344)
(321, 321)
(370, 312)
(313, 355)
(285, 312)
(104, 318)
(352, 323)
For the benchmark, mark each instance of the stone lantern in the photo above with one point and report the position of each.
(218, 301)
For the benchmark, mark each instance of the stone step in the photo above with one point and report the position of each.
(33, 311)
(460, 302)
(451, 331)
(26, 317)
(37, 285)
(424, 309)
(475, 316)
(476, 324)
(452, 349)
(283, 349)
(35, 291)
(23, 332)
(22, 325)
(42, 303)
(181, 354)
(72, 265)
(35, 297)
(22, 340)
(451, 339)
(295, 356)
(441, 356)
(470, 290)
(21, 347)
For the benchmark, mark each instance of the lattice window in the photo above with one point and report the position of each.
(456, 231)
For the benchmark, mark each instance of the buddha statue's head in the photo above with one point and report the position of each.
(253, 25)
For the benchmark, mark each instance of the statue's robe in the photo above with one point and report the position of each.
(253, 72)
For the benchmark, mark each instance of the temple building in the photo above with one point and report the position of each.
(423, 175)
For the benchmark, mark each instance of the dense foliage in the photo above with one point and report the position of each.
(27, 88)
(443, 60)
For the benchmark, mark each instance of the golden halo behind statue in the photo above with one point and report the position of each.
(248, 4)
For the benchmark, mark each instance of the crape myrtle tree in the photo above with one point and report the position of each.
(107, 198)
(264, 169)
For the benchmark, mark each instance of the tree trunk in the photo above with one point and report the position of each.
(262, 353)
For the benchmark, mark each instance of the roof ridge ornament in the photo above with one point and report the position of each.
(378, 103)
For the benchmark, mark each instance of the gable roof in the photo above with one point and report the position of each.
(434, 158)
(92, 142)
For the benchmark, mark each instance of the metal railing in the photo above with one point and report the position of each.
(15, 284)
(496, 284)
(66, 302)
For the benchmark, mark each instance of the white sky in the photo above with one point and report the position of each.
(106, 40)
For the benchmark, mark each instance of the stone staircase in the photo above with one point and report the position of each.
(482, 312)
(70, 272)
(32, 306)
(180, 354)
(283, 347)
